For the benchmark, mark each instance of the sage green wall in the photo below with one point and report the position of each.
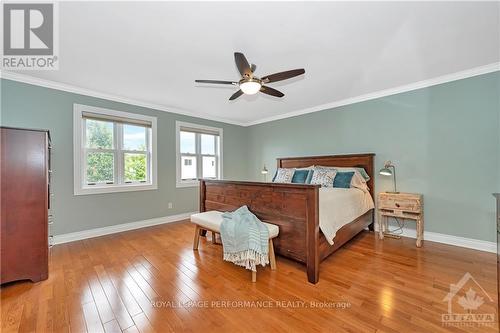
(31, 106)
(443, 139)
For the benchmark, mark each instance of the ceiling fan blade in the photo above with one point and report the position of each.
(283, 75)
(253, 67)
(271, 91)
(215, 81)
(242, 64)
(236, 95)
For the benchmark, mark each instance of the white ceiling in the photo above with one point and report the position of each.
(152, 52)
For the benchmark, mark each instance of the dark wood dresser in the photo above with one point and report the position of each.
(25, 168)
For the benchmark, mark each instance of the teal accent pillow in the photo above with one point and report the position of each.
(343, 179)
(300, 176)
(309, 176)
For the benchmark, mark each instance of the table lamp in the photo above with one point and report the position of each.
(386, 171)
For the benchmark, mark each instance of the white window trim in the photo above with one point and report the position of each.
(78, 149)
(193, 183)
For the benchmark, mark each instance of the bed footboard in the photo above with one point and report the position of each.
(292, 207)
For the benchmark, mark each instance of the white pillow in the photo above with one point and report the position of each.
(358, 181)
(323, 177)
(284, 175)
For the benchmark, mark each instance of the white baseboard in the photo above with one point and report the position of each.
(470, 243)
(84, 234)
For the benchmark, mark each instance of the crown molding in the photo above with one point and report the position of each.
(490, 68)
(116, 98)
(386, 92)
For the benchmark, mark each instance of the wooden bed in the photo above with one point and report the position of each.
(293, 207)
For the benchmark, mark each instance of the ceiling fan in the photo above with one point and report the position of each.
(250, 84)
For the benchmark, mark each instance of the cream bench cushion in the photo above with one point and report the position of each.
(213, 219)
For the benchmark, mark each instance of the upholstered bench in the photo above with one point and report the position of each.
(211, 221)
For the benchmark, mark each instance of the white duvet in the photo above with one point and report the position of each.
(340, 206)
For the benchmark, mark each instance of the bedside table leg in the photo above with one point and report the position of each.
(380, 226)
(420, 232)
(386, 224)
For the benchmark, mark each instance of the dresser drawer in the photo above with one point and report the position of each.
(399, 203)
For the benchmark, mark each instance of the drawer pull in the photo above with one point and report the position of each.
(397, 205)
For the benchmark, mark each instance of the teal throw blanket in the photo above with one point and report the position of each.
(244, 239)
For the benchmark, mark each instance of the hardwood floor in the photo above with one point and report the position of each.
(150, 280)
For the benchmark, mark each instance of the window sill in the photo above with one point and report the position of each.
(194, 183)
(114, 189)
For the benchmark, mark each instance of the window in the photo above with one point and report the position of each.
(113, 151)
(199, 153)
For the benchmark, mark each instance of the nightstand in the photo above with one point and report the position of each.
(403, 206)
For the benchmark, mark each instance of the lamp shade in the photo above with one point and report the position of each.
(385, 172)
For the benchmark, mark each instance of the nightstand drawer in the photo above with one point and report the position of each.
(399, 203)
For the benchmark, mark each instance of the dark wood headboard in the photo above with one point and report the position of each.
(365, 161)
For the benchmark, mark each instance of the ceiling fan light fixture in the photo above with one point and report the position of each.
(250, 87)
(250, 84)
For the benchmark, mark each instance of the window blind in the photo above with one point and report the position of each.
(199, 130)
(130, 121)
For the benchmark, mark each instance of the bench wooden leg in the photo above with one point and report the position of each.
(254, 276)
(196, 238)
(220, 238)
(272, 258)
